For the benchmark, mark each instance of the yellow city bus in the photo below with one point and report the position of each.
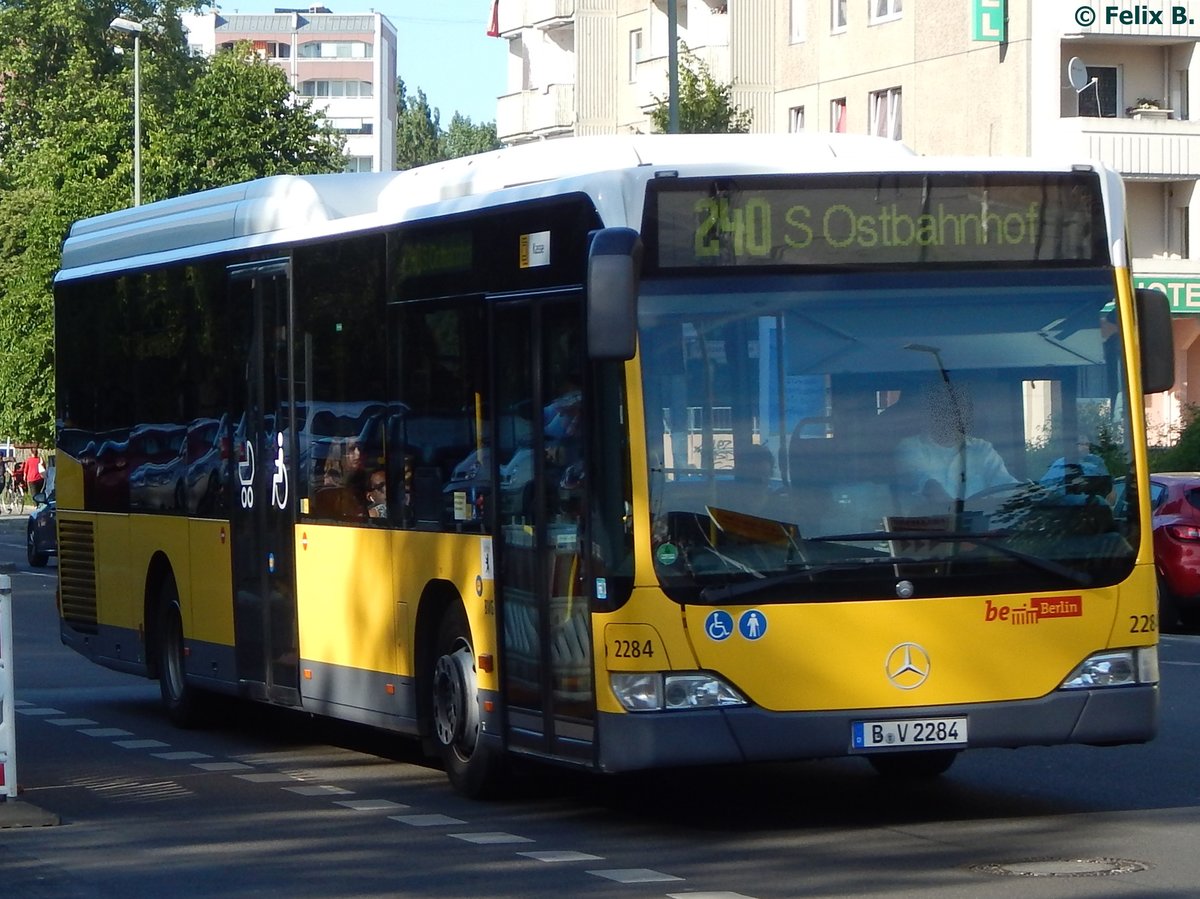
(624, 453)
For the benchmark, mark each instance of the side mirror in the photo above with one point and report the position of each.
(614, 265)
(1156, 338)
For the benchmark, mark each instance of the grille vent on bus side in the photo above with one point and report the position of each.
(77, 573)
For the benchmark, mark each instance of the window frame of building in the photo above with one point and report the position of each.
(1097, 99)
(886, 112)
(1180, 94)
(795, 119)
(351, 124)
(837, 16)
(884, 11)
(335, 89)
(269, 49)
(637, 45)
(838, 113)
(799, 15)
(334, 50)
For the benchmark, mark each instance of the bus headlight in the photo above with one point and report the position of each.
(644, 692)
(1117, 668)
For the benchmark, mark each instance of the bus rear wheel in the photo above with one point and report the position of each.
(473, 768)
(182, 701)
(913, 765)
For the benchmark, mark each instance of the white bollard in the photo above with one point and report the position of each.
(8, 724)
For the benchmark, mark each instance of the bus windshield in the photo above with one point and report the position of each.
(883, 434)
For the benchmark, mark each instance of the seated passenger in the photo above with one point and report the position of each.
(338, 496)
(753, 492)
(377, 495)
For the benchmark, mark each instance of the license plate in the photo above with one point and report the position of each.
(908, 732)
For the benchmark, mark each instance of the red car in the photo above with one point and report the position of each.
(1175, 507)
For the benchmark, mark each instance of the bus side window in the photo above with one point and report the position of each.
(437, 446)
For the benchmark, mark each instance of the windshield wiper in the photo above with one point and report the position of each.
(726, 592)
(988, 540)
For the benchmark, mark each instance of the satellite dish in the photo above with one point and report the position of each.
(1077, 73)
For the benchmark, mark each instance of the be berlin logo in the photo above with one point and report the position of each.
(1087, 16)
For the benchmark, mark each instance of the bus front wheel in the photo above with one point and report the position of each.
(473, 769)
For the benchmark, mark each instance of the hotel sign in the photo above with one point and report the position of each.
(988, 21)
(1182, 291)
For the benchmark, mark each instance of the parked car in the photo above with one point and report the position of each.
(1175, 511)
(42, 532)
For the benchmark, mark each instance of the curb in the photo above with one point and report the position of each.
(18, 813)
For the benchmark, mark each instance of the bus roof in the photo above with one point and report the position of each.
(284, 209)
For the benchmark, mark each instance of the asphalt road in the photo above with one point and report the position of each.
(271, 803)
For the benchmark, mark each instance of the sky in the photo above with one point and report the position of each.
(443, 49)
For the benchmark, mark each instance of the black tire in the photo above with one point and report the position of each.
(1189, 619)
(474, 770)
(36, 558)
(913, 765)
(1168, 609)
(184, 704)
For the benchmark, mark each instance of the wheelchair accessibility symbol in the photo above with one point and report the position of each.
(718, 625)
(751, 625)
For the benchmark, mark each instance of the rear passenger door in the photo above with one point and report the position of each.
(263, 518)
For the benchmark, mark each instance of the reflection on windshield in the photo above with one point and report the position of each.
(835, 440)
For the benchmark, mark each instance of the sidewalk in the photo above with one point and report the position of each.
(19, 813)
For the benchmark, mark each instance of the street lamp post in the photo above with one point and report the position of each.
(135, 28)
(672, 68)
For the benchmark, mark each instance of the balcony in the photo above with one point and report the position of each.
(536, 114)
(546, 15)
(550, 14)
(1152, 149)
(652, 84)
(1136, 26)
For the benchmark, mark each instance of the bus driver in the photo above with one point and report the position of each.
(944, 463)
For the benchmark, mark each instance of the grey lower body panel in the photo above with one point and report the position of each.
(374, 698)
(118, 648)
(711, 737)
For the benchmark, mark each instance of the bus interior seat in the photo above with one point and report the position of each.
(427, 494)
(338, 503)
(812, 469)
(848, 479)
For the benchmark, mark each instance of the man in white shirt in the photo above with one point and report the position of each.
(943, 464)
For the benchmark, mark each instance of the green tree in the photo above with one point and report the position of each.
(705, 105)
(1184, 453)
(60, 142)
(418, 129)
(66, 142)
(420, 138)
(463, 138)
(235, 121)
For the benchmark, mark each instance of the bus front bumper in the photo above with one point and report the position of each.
(636, 741)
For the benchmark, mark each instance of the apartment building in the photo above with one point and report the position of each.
(1005, 77)
(344, 65)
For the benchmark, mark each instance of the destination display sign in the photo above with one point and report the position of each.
(877, 220)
